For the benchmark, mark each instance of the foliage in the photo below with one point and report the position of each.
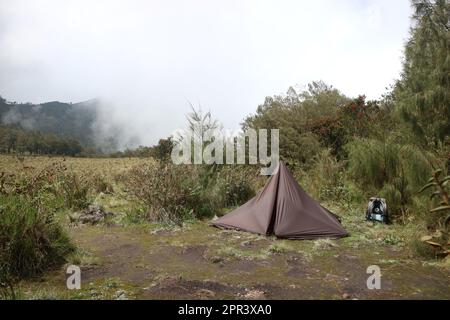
(394, 170)
(440, 238)
(30, 239)
(236, 184)
(160, 151)
(15, 140)
(7, 289)
(54, 183)
(295, 115)
(200, 123)
(441, 186)
(320, 117)
(423, 92)
(179, 192)
(66, 120)
(327, 175)
(163, 149)
(172, 192)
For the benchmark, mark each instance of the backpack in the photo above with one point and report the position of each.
(377, 210)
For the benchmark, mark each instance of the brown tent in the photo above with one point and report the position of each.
(284, 209)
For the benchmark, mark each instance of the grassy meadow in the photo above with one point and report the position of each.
(138, 225)
(132, 255)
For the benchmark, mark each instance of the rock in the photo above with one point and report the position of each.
(331, 277)
(324, 244)
(254, 295)
(120, 293)
(346, 296)
(246, 243)
(216, 259)
(93, 214)
(205, 293)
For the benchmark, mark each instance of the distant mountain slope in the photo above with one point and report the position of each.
(63, 119)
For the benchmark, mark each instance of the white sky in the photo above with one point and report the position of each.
(149, 58)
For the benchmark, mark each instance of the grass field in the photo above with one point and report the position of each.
(121, 259)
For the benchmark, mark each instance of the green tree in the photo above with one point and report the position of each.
(295, 115)
(163, 149)
(423, 92)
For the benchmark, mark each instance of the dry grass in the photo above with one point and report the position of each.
(107, 167)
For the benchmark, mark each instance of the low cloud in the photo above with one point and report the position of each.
(146, 59)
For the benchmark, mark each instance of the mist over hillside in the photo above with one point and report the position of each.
(87, 121)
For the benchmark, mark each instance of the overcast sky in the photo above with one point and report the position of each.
(147, 59)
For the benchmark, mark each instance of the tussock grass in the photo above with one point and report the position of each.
(30, 240)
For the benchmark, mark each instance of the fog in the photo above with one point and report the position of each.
(147, 60)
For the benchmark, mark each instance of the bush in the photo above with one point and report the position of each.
(389, 169)
(326, 180)
(393, 197)
(236, 184)
(173, 192)
(74, 189)
(98, 184)
(303, 149)
(30, 240)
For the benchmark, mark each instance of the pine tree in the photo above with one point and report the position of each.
(423, 92)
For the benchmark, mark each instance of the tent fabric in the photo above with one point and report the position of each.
(283, 209)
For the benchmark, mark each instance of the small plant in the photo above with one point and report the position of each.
(392, 240)
(276, 249)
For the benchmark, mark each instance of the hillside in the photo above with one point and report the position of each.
(68, 120)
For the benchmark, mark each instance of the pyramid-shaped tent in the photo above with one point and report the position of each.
(284, 209)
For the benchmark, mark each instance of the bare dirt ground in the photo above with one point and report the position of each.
(202, 262)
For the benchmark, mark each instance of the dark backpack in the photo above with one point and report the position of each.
(377, 210)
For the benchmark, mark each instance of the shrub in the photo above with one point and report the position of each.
(390, 169)
(173, 192)
(98, 183)
(236, 184)
(303, 148)
(74, 189)
(393, 197)
(30, 240)
(327, 180)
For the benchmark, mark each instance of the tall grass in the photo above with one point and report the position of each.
(389, 169)
(170, 192)
(31, 241)
(178, 192)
